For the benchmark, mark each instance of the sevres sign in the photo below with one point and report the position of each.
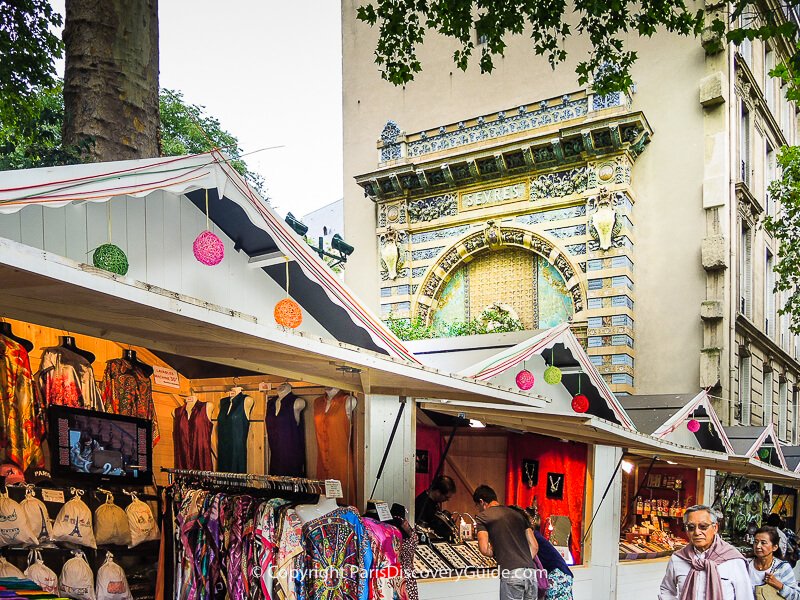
(501, 195)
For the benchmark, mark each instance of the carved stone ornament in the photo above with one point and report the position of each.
(391, 254)
(492, 235)
(604, 219)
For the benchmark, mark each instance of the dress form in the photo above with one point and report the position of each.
(349, 405)
(248, 401)
(299, 404)
(309, 512)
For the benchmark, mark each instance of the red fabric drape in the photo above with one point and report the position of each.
(554, 456)
(430, 439)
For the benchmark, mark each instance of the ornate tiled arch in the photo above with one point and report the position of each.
(494, 237)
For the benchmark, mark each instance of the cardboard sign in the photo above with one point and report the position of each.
(166, 377)
(53, 496)
(384, 514)
(333, 488)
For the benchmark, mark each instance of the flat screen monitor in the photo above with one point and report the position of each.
(95, 446)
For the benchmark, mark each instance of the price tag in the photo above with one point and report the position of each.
(53, 496)
(383, 511)
(333, 488)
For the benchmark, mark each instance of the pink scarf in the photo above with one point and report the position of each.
(719, 552)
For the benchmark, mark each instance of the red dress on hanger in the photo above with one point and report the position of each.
(191, 434)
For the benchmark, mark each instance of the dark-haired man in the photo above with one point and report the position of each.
(429, 502)
(506, 534)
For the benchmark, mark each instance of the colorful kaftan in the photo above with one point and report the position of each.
(385, 581)
(338, 555)
(20, 408)
(67, 379)
(290, 547)
(127, 390)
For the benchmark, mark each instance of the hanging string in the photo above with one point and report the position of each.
(207, 227)
(287, 276)
(579, 384)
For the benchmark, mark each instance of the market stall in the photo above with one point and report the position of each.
(202, 348)
(746, 495)
(529, 445)
(655, 494)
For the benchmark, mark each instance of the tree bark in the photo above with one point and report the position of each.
(111, 77)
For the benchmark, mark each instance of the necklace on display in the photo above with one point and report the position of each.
(530, 471)
(554, 484)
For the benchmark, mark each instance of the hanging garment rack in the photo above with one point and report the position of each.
(251, 480)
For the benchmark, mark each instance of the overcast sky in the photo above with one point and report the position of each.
(271, 72)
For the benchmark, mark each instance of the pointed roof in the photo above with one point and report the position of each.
(557, 346)
(241, 214)
(792, 456)
(748, 440)
(664, 416)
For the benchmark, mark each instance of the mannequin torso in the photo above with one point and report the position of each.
(309, 512)
(299, 404)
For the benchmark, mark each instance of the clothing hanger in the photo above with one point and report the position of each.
(68, 342)
(129, 354)
(5, 329)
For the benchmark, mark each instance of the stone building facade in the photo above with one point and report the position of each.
(635, 215)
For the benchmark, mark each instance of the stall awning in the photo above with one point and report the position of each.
(665, 416)
(239, 212)
(558, 347)
(751, 442)
(580, 428)
(754, 468)
(50, 290)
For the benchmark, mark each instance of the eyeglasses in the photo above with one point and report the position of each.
(700, 526)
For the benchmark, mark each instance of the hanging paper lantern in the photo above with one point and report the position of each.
(580, 403)
(525, 379)
(552, 375)
(763, 454)
(288, 313)
(208, 249)
(693, 425)
(110, 258)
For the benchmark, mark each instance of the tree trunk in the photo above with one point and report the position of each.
(111, 77)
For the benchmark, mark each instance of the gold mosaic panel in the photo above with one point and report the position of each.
(505, 276)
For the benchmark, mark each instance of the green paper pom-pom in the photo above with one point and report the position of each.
(110, 258)
(552, 375)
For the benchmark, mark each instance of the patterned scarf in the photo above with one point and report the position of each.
(719, 552)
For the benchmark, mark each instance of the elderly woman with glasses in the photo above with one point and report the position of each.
(766, 569)
(708, 568)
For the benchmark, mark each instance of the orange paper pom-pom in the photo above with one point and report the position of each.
(288, 313)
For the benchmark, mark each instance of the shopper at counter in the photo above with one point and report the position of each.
(708, 568)
(429, 502)
(766, 569)
(505, 534)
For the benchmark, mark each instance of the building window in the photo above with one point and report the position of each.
(783, 389)
(770, 174)
(769, 295)
(794, 416)
(744, 145)
(769, 81)
(746, 272)
(744, 390)
(786, 119)
(767, 397)
(746, 46)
